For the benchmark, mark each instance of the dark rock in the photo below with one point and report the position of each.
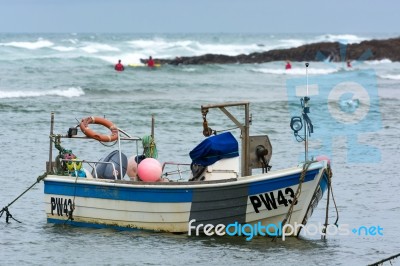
(366, 50)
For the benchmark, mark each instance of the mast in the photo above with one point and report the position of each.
(244, 128)
(297, 122)
(50, 164)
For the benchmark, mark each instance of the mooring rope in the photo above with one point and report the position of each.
(334, 203)
(330, 192)
(298, 192)
(71, 211)
(296, 195)
(387, 259)
(5, 209)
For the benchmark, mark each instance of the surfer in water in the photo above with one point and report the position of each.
(288, 65)
(119, 66)
(348, 63)
(150, 62)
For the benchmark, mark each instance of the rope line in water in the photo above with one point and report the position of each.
(330, 192)
(8, 215)
(5, 209)
(384, 260)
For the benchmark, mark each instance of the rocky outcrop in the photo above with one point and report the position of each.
(333, 51)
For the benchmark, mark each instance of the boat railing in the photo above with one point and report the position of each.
(178, 171)
(93, 165)
(56, 139)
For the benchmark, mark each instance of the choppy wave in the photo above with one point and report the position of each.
(394, 77)
(130, 48)
(32, 49)
(342, 38)
(63, 48)
(92, 48)
(69, 93)
(294, 71)
(296, 42)
(40, 43)
(377, 62)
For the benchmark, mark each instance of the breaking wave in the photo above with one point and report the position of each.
(69, 93)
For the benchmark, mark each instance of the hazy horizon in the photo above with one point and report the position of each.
(207, 16)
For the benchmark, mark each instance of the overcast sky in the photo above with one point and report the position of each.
(208, 16)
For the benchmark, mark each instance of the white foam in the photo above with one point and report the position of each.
(190, 48)
(155, 44)
(290, 43)
(342, 38)
(228, 49)
(73, 41)
(394, 77)
(189, 69)
(69, 93)
(63, 48)
(377, 62)
(126, 58)
(40, 43)
(295, 71)
(92, 48)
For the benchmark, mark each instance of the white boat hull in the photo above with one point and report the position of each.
(170, 207)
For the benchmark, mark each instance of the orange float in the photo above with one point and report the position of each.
(84, 125)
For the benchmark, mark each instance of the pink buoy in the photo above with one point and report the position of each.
(149, 170)
(132, 168)
(323, 158)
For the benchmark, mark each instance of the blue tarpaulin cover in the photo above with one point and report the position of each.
(215, 148)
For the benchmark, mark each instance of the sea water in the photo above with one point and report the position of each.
(354, 113)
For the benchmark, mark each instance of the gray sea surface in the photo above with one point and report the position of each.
(78, 83)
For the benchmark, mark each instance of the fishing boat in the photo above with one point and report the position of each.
(225, 184)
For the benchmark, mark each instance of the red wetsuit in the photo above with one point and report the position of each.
(119, 67)
(288, 66)
(150, 63)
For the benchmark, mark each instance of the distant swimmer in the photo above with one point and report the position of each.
(150, 62)
(119, 66)
(288, 65)
(348, 63)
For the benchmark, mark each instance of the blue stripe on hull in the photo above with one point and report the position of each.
(118, 193)
(324, 183)
(279, 183)
(162, 195)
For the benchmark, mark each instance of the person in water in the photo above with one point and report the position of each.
(348, 63)
(150, 62)
(119, 66)
(288, 65)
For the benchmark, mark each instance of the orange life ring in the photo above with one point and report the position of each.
(84, 125)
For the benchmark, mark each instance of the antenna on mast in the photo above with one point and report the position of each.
(297, 122)
(307, 64)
